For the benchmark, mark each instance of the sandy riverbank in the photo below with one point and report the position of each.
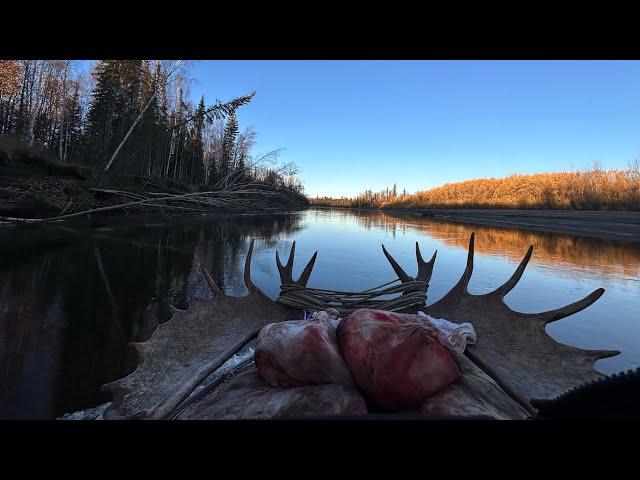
(610, 225)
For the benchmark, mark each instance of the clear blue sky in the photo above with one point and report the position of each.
(354, 125)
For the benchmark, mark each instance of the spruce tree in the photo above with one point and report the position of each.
(162, 143)
(72, 125)
(228, 144)
(102, 110)
(130, 106)
(151, 131)
(114, 107)
(197, 143)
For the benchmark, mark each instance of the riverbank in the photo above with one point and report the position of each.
(33, 189)
(609, 225)
(619, 226)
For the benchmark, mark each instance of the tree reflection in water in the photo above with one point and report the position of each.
(71, 301)
(551, 249)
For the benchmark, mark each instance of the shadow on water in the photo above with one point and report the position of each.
(72, 300)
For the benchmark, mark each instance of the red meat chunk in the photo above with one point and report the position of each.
(299, 353)
(395, 359)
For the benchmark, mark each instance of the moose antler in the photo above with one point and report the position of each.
(182, 352)
(425, 269)
(513, 347)
(286, 271)
(413, 291)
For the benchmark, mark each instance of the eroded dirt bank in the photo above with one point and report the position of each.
(32, 189)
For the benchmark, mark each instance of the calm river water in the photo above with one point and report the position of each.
(72, 299)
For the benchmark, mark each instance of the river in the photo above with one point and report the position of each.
(71, 299)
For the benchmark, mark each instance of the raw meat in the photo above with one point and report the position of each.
(395, 358)
(300, 352)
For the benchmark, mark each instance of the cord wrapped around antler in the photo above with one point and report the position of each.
(512, 347)
(411, 292)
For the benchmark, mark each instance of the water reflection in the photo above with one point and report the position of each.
(563, 269)
(72, 299)
(577, 253)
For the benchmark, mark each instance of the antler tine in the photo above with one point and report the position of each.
(286, 271)
(558, 313)
(425, 269)
(247, 269)
(402, 275)
(212, 284)
(507, 286)
(292, 254)
(285, 279)
(466, 275)
(306, 273)
(600, 354)
(515, 345)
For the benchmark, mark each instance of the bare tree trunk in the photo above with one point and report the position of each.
(129, 132)
(64, 97)
(66, 144)
(171, 150)
(138, 119)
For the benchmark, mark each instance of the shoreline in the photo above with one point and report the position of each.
(145, 219)
(36, 191)
(618, 226)
(606, 225)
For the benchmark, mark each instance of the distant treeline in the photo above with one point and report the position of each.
(367, 199)
(82, 118)
(592, 189)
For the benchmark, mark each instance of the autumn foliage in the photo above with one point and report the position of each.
(593, 189)
(10, 70)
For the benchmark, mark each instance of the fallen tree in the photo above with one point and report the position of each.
(252, 197)
(37, 190)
